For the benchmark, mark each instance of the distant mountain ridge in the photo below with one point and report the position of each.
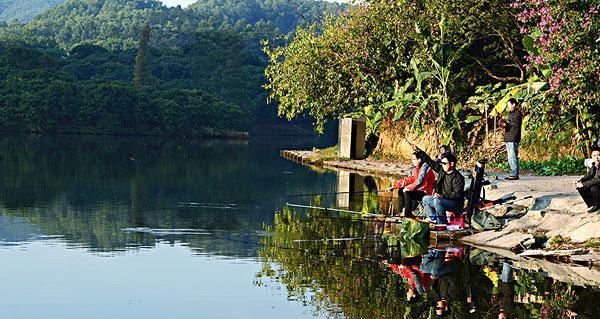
(115, 24)
(24, 10)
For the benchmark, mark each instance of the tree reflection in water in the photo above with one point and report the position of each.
(365, 276)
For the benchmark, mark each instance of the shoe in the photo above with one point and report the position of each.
(593, 209)
(512, 178)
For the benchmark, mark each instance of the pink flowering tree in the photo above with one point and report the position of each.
(561, 37)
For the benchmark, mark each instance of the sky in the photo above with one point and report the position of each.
(184, 3)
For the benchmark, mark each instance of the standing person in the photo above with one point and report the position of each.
(512, 137)
(414, 187)
(589, 185)
(449, 187)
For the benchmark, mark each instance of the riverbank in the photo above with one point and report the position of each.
(326, 159)
(548, 213)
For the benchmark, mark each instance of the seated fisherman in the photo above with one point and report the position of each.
(449, 187)
(589, 185)
(414, 187)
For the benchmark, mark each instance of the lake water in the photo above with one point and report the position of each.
(107, 227)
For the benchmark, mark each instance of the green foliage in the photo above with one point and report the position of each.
(38, 94)
(560, 240)
(208, 47)
(405, 60)
(564, 166)
(142, 59)
(284, 15)
(342, 66)
(561, 38)
(445, 67)
(593, 244)
(115, 24)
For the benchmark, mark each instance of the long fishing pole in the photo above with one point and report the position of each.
(336, 210)
(336, 193)
(357, 213)
(231, 206)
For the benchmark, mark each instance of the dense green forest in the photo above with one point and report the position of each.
(72, 67)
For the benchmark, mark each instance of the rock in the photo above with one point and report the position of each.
(501, 239)
(560, 252)
(526, 243)
(581, 276)
(508, 210)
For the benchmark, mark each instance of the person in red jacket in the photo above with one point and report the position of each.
(412, 188)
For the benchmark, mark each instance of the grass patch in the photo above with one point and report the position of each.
(554, 167)
(326, 154)
(593, 244)
(560, 241)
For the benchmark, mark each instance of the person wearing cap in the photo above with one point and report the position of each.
(449, 187)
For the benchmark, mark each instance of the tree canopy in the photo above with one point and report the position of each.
(444, 65)
(213, 57)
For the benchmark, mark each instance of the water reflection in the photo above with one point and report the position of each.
(113, 194)
(373, 276)
(153, 206)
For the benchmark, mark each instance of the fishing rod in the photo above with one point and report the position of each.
(251, 200)
(307, 251)
(336, 193)
(335, 210)
(363, 214)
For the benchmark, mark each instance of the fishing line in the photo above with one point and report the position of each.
(253, 200)
(363, 214)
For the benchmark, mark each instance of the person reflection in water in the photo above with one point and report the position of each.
(419, 282)
(439, 263)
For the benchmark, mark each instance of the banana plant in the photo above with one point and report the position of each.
(524, 92)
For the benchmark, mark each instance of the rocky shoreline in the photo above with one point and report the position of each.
(551, 214)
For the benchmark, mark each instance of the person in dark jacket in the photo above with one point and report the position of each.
(449, 187)
(512, 137)
(589, 185)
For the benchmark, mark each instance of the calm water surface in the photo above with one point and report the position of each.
(101, 227)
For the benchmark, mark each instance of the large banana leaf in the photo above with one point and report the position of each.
(515, 92)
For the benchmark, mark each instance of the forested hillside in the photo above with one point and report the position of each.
(285, 15)
(24, 10)
(209, 52)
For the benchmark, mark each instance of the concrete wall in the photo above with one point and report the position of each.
(351, 138)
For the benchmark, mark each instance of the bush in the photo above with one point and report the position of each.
(564, 166)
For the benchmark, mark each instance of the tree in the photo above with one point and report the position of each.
(142, 60)
(355, 63)
(562, 37)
